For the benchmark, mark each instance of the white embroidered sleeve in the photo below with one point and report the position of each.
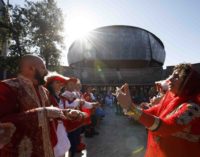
(192, 111)
(88, 105)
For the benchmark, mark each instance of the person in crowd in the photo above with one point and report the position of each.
(99, 112)
(77, 90)
(90, 129)
(109, 99)
(118, 108)
(25, 104)
(80, 145)
(54, 83)
(161, 88)
(173, 124)
(71, 101)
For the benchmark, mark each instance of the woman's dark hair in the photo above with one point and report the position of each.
(52, 91)
(189, 85)
(183, 69)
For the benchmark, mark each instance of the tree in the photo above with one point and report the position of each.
(45, 28)
(20, 42)
(8, 65)
(38, 29)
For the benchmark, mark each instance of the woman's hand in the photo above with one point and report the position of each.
(54, 112)
(123, 96)
(72, 114)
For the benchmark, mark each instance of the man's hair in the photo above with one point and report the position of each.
(183, 69)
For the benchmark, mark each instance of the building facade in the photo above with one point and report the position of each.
(116, 54)
(110, 56)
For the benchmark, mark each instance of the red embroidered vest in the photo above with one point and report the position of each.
(32, 137)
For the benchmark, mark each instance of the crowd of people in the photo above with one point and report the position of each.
(44, 113)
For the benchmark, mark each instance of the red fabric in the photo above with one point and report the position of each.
(87, 97)
(87, 120)
(73, 125)
(38, 94)
(13, 110)
(7, 105)
(56, 77)
(53, 123)
(162, 142)
(69, 124)
(80, 147)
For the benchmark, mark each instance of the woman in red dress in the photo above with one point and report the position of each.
(174, 124)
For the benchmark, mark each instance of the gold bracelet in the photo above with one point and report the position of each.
(155, 124)
(134, 112)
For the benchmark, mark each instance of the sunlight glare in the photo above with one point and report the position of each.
(78, 24)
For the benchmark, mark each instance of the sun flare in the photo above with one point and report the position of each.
(78, 24)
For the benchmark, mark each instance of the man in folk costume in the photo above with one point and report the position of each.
(24, 103)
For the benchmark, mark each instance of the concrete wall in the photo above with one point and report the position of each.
(116, 76)
(111, 76)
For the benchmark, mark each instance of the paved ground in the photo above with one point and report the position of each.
(119, 137)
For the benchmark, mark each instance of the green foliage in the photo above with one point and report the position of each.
(20, 40)
(37, 29)
(10, 64)
(46, 25)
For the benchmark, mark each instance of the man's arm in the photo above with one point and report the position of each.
(9, 106)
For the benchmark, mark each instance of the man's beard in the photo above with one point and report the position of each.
(39, 78)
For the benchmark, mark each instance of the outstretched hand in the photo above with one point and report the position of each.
(123, 96)
(96, 104)
(72, 114)
(54, 112)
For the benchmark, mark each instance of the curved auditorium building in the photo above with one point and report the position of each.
(110, 56)
(113, 55)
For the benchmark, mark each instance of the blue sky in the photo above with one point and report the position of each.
(175, 22)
